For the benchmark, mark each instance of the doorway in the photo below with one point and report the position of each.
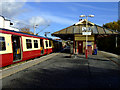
(17, 51)
(80, 47)
(42, 46)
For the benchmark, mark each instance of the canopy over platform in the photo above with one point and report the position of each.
(69, 32)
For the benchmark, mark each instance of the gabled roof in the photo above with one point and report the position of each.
(82, 22)
(77, 29)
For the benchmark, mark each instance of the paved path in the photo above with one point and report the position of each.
(61, 71)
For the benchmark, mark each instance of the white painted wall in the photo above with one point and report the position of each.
(31, 38)
(1, 22)
(6, 24)
(8, 43)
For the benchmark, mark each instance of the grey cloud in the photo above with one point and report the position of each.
(11, 9)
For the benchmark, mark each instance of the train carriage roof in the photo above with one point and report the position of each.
(21, 33)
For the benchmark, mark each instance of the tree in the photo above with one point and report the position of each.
(108, 43)
(26, 30)
(113, 25)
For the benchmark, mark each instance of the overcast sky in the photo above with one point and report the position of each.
(58, 15)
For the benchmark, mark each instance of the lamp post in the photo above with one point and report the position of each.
(86, 31)
(46, 33)
(116, 40)
(34, 28)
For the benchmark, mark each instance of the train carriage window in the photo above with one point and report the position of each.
(29, 43)
(2, 44)
(49, 43)
(46, 43)
(35, 44)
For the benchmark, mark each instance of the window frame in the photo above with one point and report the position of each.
(28, 43)
(35, 43)
(1, 49)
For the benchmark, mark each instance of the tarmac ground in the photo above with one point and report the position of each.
(63, 71)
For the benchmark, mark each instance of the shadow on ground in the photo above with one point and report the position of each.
(60, 76)
(62, 71)
(66, 50)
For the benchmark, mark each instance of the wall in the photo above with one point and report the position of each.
(8, 43)
(79, 37)
(6, 24)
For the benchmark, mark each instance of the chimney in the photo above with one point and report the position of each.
(80, 19)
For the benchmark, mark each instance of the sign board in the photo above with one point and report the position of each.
(84, 29)
(89, 43)
(86, 33)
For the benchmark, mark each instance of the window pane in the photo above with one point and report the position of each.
(49, 43)
(28, 43)
(46, 43)
(35, 44)
(2, 44)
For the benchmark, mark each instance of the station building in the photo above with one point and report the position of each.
(78, 40)
(6, 24)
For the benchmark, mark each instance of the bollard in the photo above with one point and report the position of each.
(86, 54)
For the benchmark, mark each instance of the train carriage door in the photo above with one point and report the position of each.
(42, 46)
(17, 51)
(46, 43)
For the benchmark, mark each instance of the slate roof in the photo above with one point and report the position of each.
(77, 29)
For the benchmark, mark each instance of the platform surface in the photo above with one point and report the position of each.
(63, 71)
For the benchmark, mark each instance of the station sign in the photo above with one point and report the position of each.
(89, 43)
(85, 31)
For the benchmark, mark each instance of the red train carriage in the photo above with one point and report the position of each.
(17, 46)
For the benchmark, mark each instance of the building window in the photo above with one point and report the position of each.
(29, 43)
(2, 44)
(49, 43)
(35, 44)
(46, 43)
(41, 42)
